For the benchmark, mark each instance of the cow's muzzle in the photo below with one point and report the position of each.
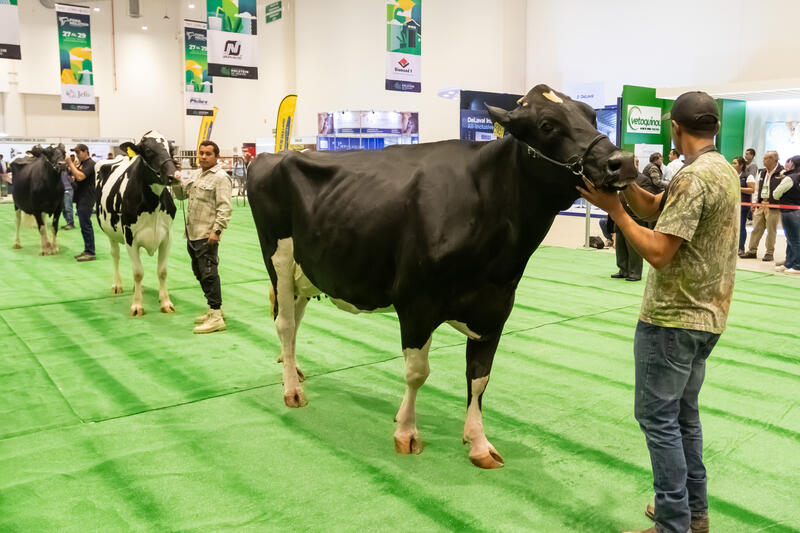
(620, 171)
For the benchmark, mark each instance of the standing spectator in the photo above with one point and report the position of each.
(209, 210)
(747, 183)
(675, 164)
(110, 156)
(788, 192)
(763, 216)
(84, 194)
(629, 261)
(653, 169)
(685, 306)
(5, 181)
(752, 166)
(66, 179)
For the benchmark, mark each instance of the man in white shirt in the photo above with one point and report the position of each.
(675, 164)
(765, 217)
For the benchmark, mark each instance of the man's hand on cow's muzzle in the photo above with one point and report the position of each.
(607, 201)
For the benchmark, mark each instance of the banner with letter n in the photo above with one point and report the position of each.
(75, 55)
(9, 30)
(197, 87)
(403, 45)
(232, 38)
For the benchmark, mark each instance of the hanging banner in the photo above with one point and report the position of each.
(9, 30)
(232, 41)
(274, 12)
(283, 132)
(197, 90)
(75, 53)
(403, 45)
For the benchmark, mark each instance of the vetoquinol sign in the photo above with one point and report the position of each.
(644, 119)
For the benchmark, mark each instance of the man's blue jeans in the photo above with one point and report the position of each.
(790, 218)
(670, 367)
(68, 217)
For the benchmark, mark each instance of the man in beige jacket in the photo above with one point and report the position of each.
(208, 212)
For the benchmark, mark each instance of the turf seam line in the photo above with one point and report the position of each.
(38, 362)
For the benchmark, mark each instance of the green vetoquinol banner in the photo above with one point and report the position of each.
(75, 53)
(403, 45)
(9, 30)
(198, 88)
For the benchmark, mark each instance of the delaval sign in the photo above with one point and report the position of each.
(644, 119)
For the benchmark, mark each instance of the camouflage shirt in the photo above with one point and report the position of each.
(702, 208)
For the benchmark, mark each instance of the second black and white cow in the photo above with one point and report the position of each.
(442, 232)
(135, 208)
(39, 191)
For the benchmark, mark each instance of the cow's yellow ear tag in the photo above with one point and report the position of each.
(131, 153)
(553, 97)
(499, 130)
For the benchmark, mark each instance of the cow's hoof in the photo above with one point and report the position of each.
(137, 310)
(295, 398)
(44, 252)
(167, 307)
(407, 443)
(116, 289)
(488, 461)
(17, 246)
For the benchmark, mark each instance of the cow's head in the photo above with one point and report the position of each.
(54, 155)
(565, 131)
(156, 153)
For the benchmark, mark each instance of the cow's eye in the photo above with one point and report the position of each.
(546, 128)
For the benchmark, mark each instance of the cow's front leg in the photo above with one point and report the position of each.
(116, 283)
(163, 294)
(17, 222)
(283, 262)
(406, 436)
(137, 309)
(480, 355)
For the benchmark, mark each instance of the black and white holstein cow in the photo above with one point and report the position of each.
(39, 191)
(439, 231)
(135, 208)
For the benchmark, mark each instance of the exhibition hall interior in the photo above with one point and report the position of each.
(261, 259)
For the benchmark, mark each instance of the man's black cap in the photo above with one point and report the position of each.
(80, 148)
(695, 110)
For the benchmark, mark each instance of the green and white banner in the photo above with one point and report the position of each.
(9, 30)
(403, 45)
(75, 53)
(232, 41)
(274, 12)
(198, 88)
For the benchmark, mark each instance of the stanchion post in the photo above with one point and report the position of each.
(588, 223)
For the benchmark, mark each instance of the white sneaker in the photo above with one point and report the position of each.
(780, 268)
(791, 271)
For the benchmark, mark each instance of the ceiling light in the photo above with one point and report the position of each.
(144, 28)
(191, 6)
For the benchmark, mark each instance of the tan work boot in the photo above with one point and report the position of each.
(214, 322)
(202, 318)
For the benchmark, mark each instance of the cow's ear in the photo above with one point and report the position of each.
(129, 149)
(36, 151)
(499, 115)
(589, 112)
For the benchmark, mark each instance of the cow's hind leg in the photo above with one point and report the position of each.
(480, 354)
(163, 294)
(116, 283)
(283, 263)
(137, 309)
(17, 222)
(54, 226)
(406, 436)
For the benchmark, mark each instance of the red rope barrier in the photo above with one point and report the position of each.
(771, 206)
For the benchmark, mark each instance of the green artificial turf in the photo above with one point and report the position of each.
(112, 423)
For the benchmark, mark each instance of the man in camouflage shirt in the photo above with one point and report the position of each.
(693, 250)
(208, 212)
